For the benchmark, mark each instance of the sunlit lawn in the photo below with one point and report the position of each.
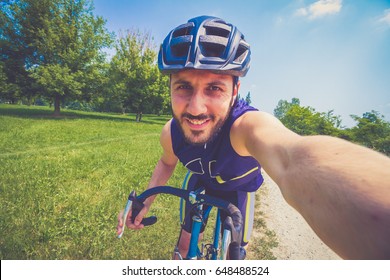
(63, 181)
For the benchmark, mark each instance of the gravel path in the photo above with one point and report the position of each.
(297, 241)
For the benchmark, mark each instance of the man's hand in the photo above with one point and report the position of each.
(137, 222)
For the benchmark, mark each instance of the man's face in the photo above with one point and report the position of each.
(201, 102)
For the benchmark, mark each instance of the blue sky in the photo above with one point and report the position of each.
(331, 54)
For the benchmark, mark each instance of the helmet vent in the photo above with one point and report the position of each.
(242, 52)
(217, 29)
(213, 46)
(180, 45)
(182, 30)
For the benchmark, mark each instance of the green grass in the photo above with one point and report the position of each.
(262, 244)
(63, 180)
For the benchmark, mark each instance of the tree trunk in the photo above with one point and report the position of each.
(57, 105)
(138, 117)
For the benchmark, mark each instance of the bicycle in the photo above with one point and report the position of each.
(227, 234)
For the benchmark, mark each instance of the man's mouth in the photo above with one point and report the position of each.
(197, 122)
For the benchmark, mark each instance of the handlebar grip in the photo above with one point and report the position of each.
(136, 208)
(149, 221)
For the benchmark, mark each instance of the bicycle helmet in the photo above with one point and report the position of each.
(206, 43)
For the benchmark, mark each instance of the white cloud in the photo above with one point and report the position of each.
(385, 18)
(320, 8)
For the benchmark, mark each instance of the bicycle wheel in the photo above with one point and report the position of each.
(225, 242)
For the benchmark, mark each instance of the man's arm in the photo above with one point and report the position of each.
(161, 174)
(166, 165)
(341, 189)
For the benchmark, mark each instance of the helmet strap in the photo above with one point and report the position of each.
(235, 81)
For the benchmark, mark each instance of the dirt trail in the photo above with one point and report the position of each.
(297, 241)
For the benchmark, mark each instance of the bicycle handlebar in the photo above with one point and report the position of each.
(233, 221)
(226, 206)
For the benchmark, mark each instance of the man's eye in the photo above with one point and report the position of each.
(186, 87)
(214, 88)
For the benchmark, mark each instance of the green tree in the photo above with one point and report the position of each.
(136, 79)
(305, 120)
(9, 92)
(248, 98)
(160, 101)
(372, 131)
(284, 106)
(16, 50)
(59, 45)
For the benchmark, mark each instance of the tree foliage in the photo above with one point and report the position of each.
(16, 52)
(248, 98)
(137, 82)
(53, 48)
(305, 120)
(371, 129)
(284, 106)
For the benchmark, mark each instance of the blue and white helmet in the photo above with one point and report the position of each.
(206, 43)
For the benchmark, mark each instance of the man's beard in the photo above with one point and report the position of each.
(194, 134)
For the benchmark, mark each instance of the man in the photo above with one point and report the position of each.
(341, 189)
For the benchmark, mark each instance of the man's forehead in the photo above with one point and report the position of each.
(192, 74)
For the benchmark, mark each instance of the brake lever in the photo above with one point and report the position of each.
(126, 212)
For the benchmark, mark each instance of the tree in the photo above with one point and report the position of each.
(8, 91)
(248, 98)
(16, 51)
(137, 80)
(372, 131)
(305, 120)
(56, 47)
(284, 106)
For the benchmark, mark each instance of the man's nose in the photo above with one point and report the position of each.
(197, 104)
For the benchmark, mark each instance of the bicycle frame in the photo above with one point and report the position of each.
(194, 252)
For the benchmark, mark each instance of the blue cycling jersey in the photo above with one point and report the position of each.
(216, 164)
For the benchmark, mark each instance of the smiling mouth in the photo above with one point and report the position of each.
(197, 122)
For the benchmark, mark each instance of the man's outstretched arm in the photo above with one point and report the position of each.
(341, 189)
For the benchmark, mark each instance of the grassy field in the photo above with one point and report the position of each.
(63, 180)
